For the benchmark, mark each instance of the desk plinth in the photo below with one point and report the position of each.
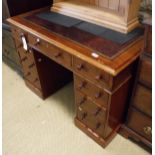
(103, 69)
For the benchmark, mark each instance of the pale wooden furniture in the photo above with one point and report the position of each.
(119, 15)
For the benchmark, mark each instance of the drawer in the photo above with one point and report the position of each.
(84, 103)
(145, 74)
(89, 71)
(94, 121)
(51, 51)
(29, 67)
(140, 123)
(98, 95)
(142, 99)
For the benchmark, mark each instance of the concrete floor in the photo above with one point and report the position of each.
(32, 126)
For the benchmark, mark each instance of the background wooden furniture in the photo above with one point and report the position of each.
(138, 125)
(102, 68)
(119, 15)
(12, 8)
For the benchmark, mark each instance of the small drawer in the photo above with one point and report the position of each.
(88, 71)
(98, 95)
(145, 74)
(55, 53)
(29, 67)
(140, 123)
(85, 104)
(142, 99)
(91, 121)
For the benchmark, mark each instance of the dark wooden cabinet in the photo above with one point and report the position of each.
(138, 124)
(9, 52)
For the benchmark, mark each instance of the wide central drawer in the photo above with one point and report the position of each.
(51, 51)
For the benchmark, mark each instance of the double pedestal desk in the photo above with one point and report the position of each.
(54, 49)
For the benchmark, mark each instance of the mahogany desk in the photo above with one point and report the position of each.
(102, 62)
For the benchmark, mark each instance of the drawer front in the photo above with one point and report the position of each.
(140, 123)
(29, 67)
(91, 115)
(51, 51)
(98, 95)
(88, 71)
(145, 74)
(142, 99)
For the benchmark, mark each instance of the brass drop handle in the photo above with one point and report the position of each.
(99, 77)
(98, 95)
(82, 85)
(37, 42)
(147, 130)
(57, 54)
(84, 115)
(80, 67)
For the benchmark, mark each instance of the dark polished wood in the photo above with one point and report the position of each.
(138, 123)
(101, 84)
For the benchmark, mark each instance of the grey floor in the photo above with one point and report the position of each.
(32, 126)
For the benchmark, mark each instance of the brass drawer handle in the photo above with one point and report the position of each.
(82, 85)
(80, 67)
(147, 130)
(98, 95)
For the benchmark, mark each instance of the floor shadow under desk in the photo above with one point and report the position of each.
(65, 98)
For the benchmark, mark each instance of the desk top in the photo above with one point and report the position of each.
(114, 50)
